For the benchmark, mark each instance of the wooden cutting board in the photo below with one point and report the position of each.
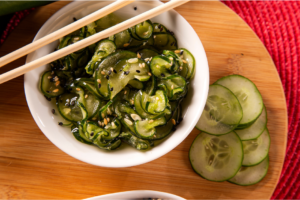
(31, 167)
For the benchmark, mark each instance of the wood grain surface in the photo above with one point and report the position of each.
(31, 167)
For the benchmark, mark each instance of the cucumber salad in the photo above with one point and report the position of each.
(127, 88)
(234, 143)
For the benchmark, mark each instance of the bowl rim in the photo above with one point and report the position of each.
(196, 116)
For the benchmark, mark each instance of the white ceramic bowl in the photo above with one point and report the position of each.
(137, 195)
(125, 156)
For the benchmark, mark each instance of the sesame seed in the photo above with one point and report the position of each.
(111, 89)
(184, 61)
(115, 71)
(129, 122)
(132, 60)
(125, 92)
(108, 119)
(52, 72)
(140, 65)
(102, 72)
(86, 96)
(49, 77)
(154, 36)
(150, 59)
(177, 51)
(78, 89)
(94, 118)
(161, 29)
(60, 123)
(135, 8)
(76, 38)
(55, 78)
(138, 55)
(135, 117)
(138, 71)
(180, 68)
(100, 124)
(171, 58)
(72, 103)
(108, 111)
(99, 85)
(181, 52)
(206, 147)
(173, 121)
(53, 111)
(149, 74)
(131, 101)
(120, 70)
(56, 90)
(107, 77)
(102, 114)
(112, 69)
(146, 59)
(151, 121)
(57, 83)
(159, 26)
(157, 66)
(144, 43)
(145, 33)
(143, 64)
(172, 87)
(48, 91)
(98, 81)
(105, 121)
(126, 72)
(92, 133)
(163, 75)
(109, 72)
(157, 98)
(126, 45)
(113, 124)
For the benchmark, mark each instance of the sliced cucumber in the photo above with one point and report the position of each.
(146, 128)
(150, 88)
(50, 85)
(174, 84)
(159, 28)
(154, 104)
(92, 104)
(216, 158)
(122, 38)
(222, 112)
(255, 151)
(104, 67)
(103, 49)
(256, 129)
(164, 41)
(144, 30)
(162, 131)
(160, 66)
(135, 142)
(247, 94)
(251, 175)
(68, 107)
(189, 63)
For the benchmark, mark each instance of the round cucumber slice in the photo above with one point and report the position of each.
(251, 175)
(216, 158)
(144, 30)
(256, 129)
(222, 112)
(255, 151)
(247, 94)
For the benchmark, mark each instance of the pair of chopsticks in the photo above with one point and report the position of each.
(82, 43)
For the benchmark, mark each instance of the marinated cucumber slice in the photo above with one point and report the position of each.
(68, 107)
(159, 28)
(150, 88)
(164, 41)
(222, 112)
(140, 111)
(146, 128)
(162, 131)
(83, 135)
(173, 84)
(154, 104)
(105, 66)
(92, 129)
(135, 142)
(133, 34)
(251, 175)
(256, 129)
(146, 54)
(113, 128)
(216, 158)
(92, 104)
(50, 85)
(255, 151)
(160, 66)
(144, 30)
(189, 62)
(247, 94)
(75, 132)
(136, 84)
(122, 38)
(103, 49)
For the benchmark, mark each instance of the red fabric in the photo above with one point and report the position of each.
(277, 24)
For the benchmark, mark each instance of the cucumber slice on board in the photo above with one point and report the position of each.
(251, 175)
(247, 94)
(216, 158)
(255, 151)
(222, 112)
(256, 129)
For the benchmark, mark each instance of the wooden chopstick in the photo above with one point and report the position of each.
(64, 31)
(90, 40)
